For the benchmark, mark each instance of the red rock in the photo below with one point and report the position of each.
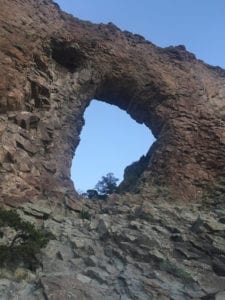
(54, 64)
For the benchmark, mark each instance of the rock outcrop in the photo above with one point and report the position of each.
(146, 242)
(53, 65)
(125, 248)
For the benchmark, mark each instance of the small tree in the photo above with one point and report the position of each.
(107, 185)
(26, 244)
(92, 194)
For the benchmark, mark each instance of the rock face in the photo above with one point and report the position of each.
(131, 246)
(127, 248)
(53, 65)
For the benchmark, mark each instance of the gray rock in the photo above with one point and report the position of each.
(220, 296)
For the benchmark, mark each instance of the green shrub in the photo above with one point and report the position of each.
(26, 244)
(84, 214)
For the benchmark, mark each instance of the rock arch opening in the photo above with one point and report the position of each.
(110, 140)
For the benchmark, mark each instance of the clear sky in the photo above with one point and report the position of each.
(111, 140)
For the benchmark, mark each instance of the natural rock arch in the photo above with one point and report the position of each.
(54, 64)
(110, 141)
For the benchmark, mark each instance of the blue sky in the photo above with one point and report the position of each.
(197, 24)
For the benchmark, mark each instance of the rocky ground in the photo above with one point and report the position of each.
(124, 248)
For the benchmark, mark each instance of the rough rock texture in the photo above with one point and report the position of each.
(143, 246)
(125, 248)
(52, 65)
